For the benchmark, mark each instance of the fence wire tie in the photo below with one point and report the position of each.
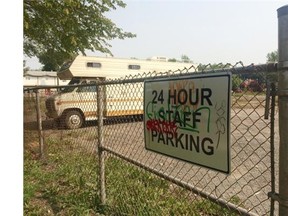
(276, 197)
(271, 91)
(267, 101)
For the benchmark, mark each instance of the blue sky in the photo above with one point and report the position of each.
(205, 31)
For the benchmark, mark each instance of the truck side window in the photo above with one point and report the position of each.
(92, 88)
(82, 88)
(87, 88)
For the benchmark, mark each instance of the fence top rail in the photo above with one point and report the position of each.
(268, 68)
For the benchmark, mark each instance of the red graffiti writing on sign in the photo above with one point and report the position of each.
(161, 126)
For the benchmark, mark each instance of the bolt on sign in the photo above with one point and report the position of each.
(188, 118)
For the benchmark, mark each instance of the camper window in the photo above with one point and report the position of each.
(94, 64)
(134, 67)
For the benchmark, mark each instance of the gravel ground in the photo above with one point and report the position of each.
(250, 178)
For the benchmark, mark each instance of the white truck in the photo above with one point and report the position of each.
(75, 104)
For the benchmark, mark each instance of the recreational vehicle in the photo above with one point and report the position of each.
(76, 104)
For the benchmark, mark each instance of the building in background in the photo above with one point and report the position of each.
(42, 78)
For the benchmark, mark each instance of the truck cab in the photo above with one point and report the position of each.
(74, 104)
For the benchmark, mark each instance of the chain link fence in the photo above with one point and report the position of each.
(135, 181)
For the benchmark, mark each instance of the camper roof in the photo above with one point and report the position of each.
(93, 66)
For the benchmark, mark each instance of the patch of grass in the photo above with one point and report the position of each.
(66, 183)
(63, 184)
(132, 191)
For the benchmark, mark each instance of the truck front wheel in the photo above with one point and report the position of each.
(73, 119)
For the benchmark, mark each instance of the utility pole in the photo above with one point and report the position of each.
(283, 108)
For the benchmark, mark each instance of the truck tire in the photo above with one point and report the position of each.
(73, 119)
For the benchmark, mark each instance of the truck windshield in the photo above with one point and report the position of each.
(66, 65)
(70, 87)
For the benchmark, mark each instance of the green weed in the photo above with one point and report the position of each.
(66, 183)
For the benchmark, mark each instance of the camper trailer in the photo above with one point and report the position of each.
(75, 104)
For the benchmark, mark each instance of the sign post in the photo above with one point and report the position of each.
(188, 118)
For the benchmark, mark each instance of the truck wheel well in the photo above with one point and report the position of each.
(73, 109)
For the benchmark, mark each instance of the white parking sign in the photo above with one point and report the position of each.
(189, 118)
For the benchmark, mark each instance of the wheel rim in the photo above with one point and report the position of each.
(75, 120)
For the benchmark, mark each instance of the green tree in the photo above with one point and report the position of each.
(236, 82)
(58, 30)
(272, 56)
(185, 58)
(172, 60)
(25, 68)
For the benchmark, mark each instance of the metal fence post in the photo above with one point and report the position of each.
(283, 108)
(100, 144)
(39, 122)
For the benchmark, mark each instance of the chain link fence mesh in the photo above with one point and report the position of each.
(141, 182)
